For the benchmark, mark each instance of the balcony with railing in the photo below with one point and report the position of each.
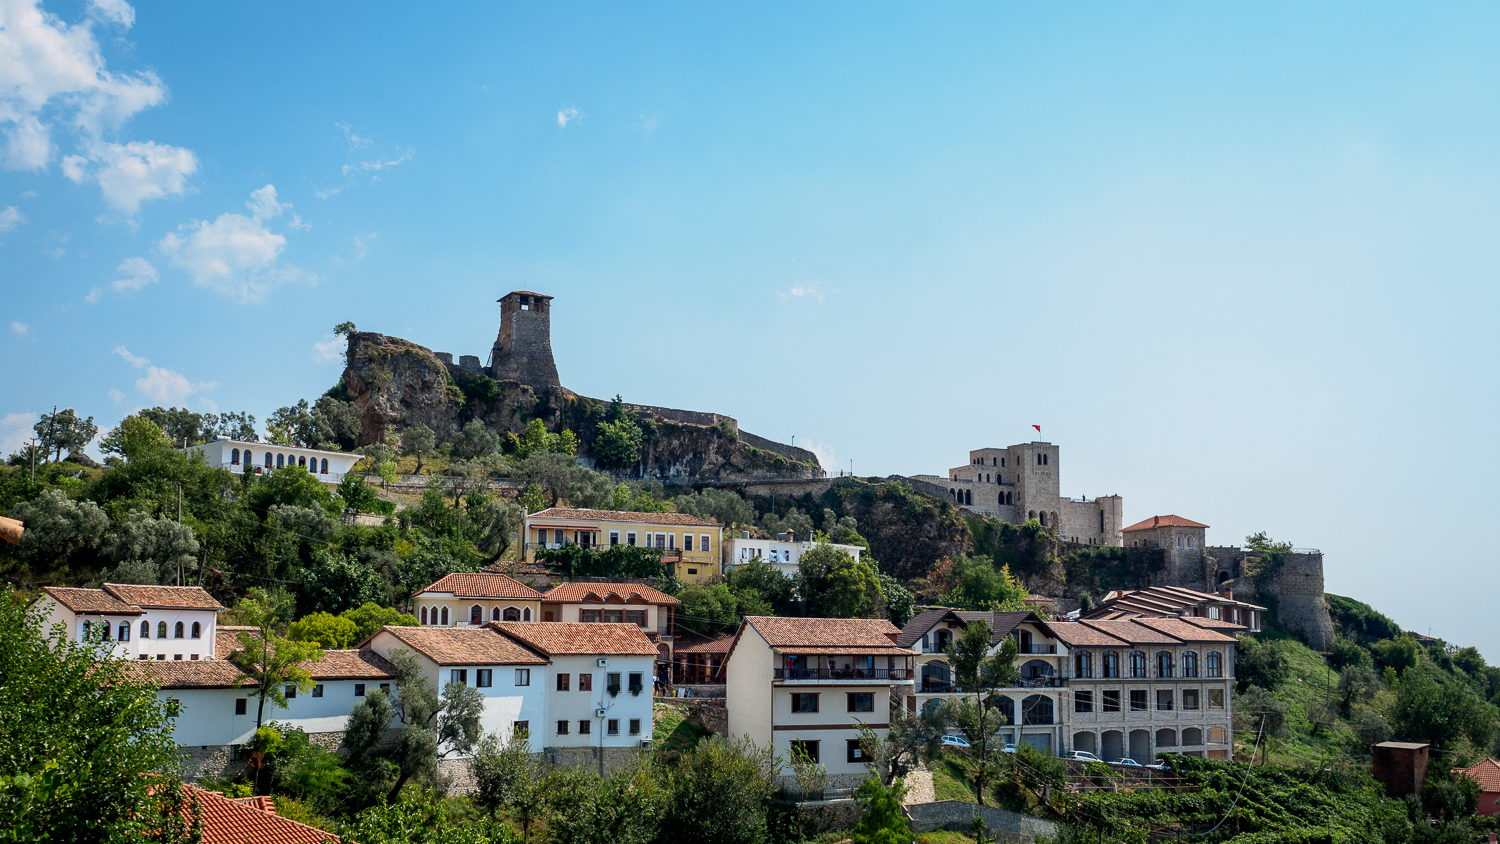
(853, 674)
(1038, 649)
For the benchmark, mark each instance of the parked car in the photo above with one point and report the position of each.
(955, 741)
(1081, 756)
(1159, 766)
(1128, 762)
(1009, 748)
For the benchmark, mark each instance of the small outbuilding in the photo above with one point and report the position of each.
(1400, 766)
(1487, 773)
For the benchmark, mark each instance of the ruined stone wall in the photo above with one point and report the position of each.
(790, 452)
(523, 348)
(1294, 589)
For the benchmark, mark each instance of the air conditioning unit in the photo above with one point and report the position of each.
(603, 662)
(599, 713)
(646, 743)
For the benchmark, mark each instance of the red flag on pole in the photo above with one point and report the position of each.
(1038, 428)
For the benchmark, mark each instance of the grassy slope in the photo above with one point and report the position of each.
(670, 729)
(1309, 687)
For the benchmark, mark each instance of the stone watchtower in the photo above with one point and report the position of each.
(523, 350)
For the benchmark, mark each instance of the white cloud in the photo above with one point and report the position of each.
(30, 194)
(329, 349)
(236, 255)
(162, 385)
(138, 273)
(53, 80)
(355, 141)
(377, 164)
(802, 291)
(115, 395)
(113, 11)
(15, 430)
(20, 329)
(649, 124)
(568, 115)
(94, 296)
(10, 217)
(362, 244)
(826, 456)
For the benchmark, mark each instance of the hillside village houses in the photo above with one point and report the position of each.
(783, 551)
(689, 544)
(241, 456)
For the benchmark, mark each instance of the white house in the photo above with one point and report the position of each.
(241, 456)
(470, 600)
(807, 683)
(511, 677)
(599, 695)
(782, 552)
(139, 622)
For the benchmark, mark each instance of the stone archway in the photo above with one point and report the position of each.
(1111, 745)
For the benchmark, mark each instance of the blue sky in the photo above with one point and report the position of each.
(1238, 260)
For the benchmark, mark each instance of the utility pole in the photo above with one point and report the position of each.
(52, 423)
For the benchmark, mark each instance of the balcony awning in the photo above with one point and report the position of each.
(584, 528)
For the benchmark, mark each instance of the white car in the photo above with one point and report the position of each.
(1009, 748)
(1081, 756)
(955, 741)
(1159, 766)
(1127, 762)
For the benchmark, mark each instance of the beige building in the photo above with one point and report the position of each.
(689, 544)
(618, 603)
(783, 551)
(1023, 482)
(470, 600)
(807, 683)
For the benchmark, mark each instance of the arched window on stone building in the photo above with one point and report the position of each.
(1083, 664)
(1111, 665)
(1137, 663)
(1215, 664)
(1189, 664)
(1164, 663)
(444, 616)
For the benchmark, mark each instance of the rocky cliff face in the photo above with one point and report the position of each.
(395, 383)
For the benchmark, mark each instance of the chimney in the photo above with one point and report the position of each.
(1228, 594)
(744, 534)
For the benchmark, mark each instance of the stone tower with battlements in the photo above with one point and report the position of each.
(523, 349)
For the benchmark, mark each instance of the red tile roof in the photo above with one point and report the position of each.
(352, 665)
(250, 821)
(190, 674)
(464, 645)
(90, 601)
(1133, 633)
(607, 593)
(577, 514)
(1182, 630)
(227, 639)
(164, 597)
(834, 634)
(556, 638)
(1078, 635)
(1486, 772)
(703, 644)
(1164, 521)
(483, 585)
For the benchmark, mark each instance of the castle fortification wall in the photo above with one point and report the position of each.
(1295, 586)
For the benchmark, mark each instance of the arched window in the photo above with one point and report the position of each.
(177, 631)
(968, 497)
(1008, 709)
(512, 614)
(324, 469)
(1189, 664)
(1042, 517)
(1036, 709)
(249, 460)
(268, 460)
(1111, 665)
(1164, 663)
(495, 614)
(424, 616)
(145, 630)
(1083, 664)
(1045, 459)
(280, 458)
(88, 627)
(197, 630)
(526, 614)
(1137, 663)
(104, 630)
(476, 615)
(302, 461)
(445, 617)
(1215, 664)
(234, 457)
(161, 630)
(1038, 460)
(124, 631)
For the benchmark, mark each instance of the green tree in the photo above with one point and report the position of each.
(179, 424)
(293, 425)
(1440, 715)
(719, 793)
(368, 618)
(135, 435)
(357, 495)
(344, 329)
(86, 750)
(293, 486)
(883, 821)
(1260, 543)
(507, 775)
(1357, 684)
(329, 631)
(150, 551)
(836, 586)
(1401, 653)
(59, 529)
(617, 445)
(475, 441)
(421, 818)
(270, 660)
(432, 726)
(759, 582)
(336, 581)
(707, 609)
(978, 672)
(900, 603)
(380, 460)
(417, 441)
(726, 507)
(1259, 663)
(977, 585)
(63, 430)
(235, 426)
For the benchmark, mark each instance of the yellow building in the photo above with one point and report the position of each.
(689, 544)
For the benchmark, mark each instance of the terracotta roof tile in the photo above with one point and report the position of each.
(1162, 601)
(837, 634)
(91, 601)
(227, 639)
(483, 585)
(703, 644)
(1181, 629)
(607, 593)
(1163, 521)
(464, 646)
(1075, 634)
(190, 674)
(1486, 772)
(229, 821)
(555, 638)
(1132, 633)
(579, 514)
(164, 597)
(1000, 623)
(352, 665)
